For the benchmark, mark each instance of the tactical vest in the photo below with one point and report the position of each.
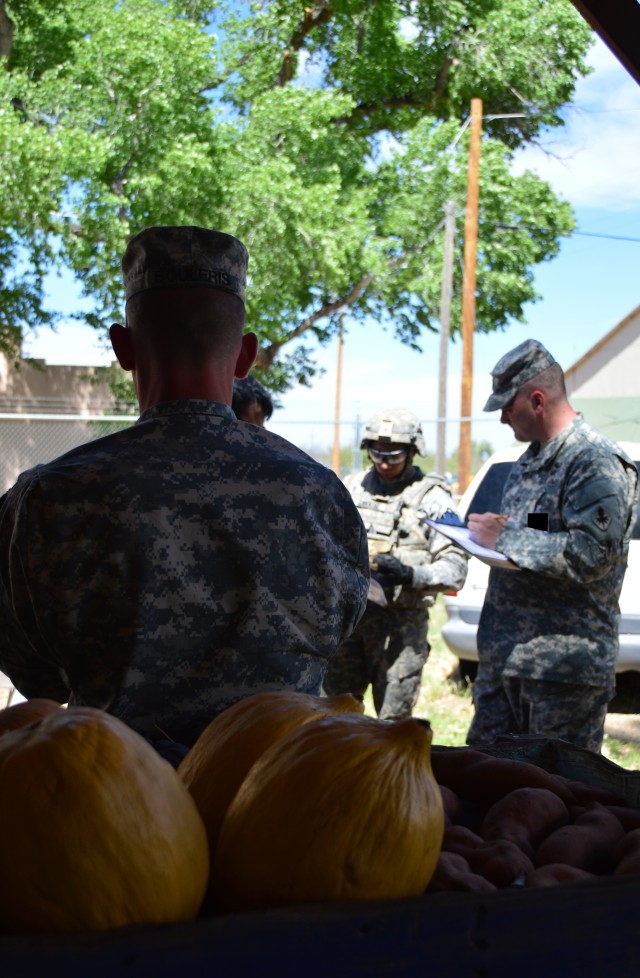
(392, 522)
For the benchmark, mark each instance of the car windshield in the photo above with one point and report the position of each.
(487, 496)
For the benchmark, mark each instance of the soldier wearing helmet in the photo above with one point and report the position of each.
(410, 564)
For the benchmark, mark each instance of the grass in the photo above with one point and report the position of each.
(624, 753)
(446, 701)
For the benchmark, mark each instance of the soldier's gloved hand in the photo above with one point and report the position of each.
(388, 570)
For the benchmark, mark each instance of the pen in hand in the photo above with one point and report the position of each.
(485, 528)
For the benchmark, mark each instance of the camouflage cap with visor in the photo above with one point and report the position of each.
(514, 369)
(184, 257)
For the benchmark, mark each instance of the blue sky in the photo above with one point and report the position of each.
(594, 163)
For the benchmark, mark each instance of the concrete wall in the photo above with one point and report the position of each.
(603, 384)
(610, 368)
(617, 417)
(51, 389)
(41, 404)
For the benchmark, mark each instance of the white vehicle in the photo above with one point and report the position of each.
(463, 609)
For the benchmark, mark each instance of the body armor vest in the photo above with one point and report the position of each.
(391, 522)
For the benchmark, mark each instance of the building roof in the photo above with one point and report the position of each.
(618, 24)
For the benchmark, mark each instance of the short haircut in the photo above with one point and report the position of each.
(186, 326)
(550, 380)
(246, 390)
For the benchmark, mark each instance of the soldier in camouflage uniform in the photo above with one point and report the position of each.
(410, 562)
(251, 401)
(170, 569)
(548, 633)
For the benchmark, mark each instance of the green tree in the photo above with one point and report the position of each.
(328, 136)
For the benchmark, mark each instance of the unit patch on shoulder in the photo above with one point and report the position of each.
(602, 518)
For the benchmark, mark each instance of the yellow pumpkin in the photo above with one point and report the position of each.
(97, 831)
(220, 759)
(343, 808)
(26, 712)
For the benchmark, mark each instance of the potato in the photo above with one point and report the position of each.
(453, 872)
(555, 874)
(589, 843)
(525, 816)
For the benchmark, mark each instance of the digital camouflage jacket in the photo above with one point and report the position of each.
(557, 618)
(170, 569)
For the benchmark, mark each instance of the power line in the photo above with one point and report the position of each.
(605, 111)
(584, 234)
(611, 237)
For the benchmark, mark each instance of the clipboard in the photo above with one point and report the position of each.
(461, 536)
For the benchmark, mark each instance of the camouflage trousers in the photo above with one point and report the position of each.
(509, 705)
(387, 650)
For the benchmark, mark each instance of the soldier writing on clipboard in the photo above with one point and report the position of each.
(548, 636)
(410, 564)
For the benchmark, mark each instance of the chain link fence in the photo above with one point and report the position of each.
(317, 437)
(31, 439)
(28, 439)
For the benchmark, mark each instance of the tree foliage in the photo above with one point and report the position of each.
(327, 134)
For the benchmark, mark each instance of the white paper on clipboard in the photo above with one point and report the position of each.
(462, 536)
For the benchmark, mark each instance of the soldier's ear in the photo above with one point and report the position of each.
(120, 338)
(247, 356)
(538, 400)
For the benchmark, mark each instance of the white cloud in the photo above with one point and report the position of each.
(593, 160)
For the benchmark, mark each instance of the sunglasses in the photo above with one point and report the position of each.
(392, 458)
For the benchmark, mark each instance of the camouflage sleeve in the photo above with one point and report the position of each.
(596, 516)
(443, 565)
(23, 657)
(358, 564)
(446, 572)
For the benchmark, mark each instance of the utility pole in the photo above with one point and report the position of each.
(445, 333)
(469, 294)
(335, 455)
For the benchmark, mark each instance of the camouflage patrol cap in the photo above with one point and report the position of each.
(184, 257)
(395, 425)
(514, 369)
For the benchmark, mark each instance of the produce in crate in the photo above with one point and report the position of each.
(453, 872)
(480, 777)
(555, 874)
(220, 759)
(627, 854)
(525, 816)
(566, 830)
(587, 843)
(97, 831)
(500, 861)
(343, 808)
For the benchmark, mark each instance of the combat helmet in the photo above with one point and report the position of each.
(395, 425)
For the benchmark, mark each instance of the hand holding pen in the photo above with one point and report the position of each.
(485, 528)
